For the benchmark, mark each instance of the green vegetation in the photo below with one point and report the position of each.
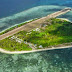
(12, 45)
(56, 32)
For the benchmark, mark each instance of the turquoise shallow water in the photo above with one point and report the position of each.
(13, 13)
(35, 12)
(10, 7)
(46, 61)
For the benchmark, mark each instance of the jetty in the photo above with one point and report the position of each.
(34, 24)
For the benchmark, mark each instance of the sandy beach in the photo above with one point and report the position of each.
(21, 52)
(30, 26)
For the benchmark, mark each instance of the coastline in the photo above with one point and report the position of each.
(60, 46)
(32, 24)
(20, 24)
(16, 26)
(53, 15)
(64, 19)
(22, 52)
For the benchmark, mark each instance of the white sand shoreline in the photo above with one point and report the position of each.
(64, 19)
(22, 52)
(27, 27)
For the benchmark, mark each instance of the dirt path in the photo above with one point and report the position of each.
(32, 25)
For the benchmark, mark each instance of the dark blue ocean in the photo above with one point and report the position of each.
(13, 12)
(10, 7)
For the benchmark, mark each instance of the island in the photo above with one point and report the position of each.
(48, 33)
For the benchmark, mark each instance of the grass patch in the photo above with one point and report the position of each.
(12, 45)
